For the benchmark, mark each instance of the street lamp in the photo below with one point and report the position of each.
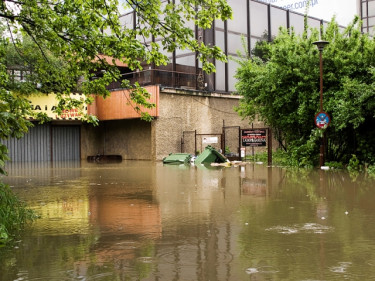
(322, 119)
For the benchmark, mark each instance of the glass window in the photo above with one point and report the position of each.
(17, 75)
(236, 43)
(253, 42)
(182, 52)
(219, 38)
(297, 22)
(239, 21)
(220, 76)
(142, 38)
(371, 8)
(258, 19)
(161, 50)
(186, 60)
(364, 10)
(219, 24)
(371, 22)
(313, 23)
(232, 69)
(278, 18)
(127, 21)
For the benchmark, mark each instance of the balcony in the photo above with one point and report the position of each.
(163, 77)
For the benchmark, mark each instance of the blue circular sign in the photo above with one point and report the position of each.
(322, 120)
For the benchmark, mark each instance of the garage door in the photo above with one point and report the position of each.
(46, 143)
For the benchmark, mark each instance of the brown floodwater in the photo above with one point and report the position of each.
(140, 220)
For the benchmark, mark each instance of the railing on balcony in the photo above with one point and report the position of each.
(161, 77)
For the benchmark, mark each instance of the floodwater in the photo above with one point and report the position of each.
(140, 220)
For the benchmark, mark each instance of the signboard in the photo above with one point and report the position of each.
(254, 137)
(47, 104)
(210, 140)
(322, 120)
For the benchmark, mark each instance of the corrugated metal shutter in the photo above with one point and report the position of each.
(65, 143)
(35, 146)
(45, 143)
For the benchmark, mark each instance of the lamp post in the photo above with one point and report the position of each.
(322, 119)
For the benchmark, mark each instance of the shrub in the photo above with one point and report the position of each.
(14, 215)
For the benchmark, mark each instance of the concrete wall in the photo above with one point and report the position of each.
(183, 110)
(129, 138)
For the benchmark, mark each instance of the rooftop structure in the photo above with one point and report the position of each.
(252, 21)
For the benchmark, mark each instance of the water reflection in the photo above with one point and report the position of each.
(146, 221)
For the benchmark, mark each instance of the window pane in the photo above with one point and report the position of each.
(219, 24)
(258, 19)
(278, 18)
(253, 42)
(232, 68)
(313, 23)
(371, 22)
(220, 76)
(186, 60)
(364, 10)
(239, 21)
(236, 43)
(127, 20)
(297, 22)
(371, 9)
(182, 52)
(219, 38)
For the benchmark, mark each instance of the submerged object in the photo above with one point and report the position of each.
(177, 158)
(210, 155)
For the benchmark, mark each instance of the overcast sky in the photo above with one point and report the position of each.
(344, 10)
(321, 9)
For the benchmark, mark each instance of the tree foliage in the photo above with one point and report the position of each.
(283, 88)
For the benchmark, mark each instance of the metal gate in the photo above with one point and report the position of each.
(194, 143)
(46, 143)
(232, 142)
(188, 142)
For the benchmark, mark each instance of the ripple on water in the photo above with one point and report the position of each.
(301, 228)
(262, 270)
(146, 259)
(168, 256)
(341, 267)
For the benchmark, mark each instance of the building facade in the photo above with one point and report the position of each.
(367, 14)
(252, 21)
(191, 106)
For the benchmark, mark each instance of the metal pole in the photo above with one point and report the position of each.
(269, 154)
(321, 79)
(320, 44)
(322, 148)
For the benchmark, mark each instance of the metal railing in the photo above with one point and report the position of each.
(161, 77)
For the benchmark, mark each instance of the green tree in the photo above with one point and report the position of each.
(282, 88)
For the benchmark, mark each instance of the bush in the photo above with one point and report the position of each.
(14, 215)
